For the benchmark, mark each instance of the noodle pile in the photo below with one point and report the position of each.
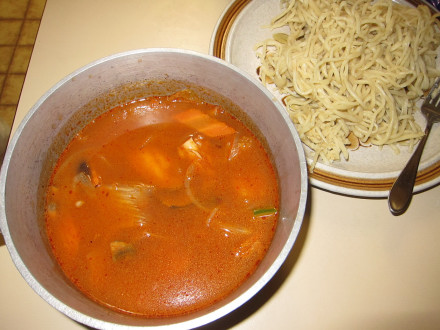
(351, 68)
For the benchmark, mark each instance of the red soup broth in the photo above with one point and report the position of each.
(162, 206)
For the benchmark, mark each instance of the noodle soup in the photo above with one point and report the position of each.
(162, 206)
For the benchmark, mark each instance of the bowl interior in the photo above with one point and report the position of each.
(73, 102)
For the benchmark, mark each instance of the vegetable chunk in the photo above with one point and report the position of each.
(120, 250)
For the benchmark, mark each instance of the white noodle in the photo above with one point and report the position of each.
(352, 66)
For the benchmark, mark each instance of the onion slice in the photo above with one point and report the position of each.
(187, 183)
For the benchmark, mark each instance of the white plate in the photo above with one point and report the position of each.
(370, 172)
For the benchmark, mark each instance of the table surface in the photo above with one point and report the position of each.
(354, 265)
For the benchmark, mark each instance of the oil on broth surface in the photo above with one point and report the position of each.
(162, 206)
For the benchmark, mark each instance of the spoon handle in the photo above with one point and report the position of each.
(402, 190)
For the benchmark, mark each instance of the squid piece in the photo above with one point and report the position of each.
(131, 199)
(239, 144)
(249, 247)
(190, 149)
(159, 168)
(204, 123)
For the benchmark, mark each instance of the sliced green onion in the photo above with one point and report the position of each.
(265, 212)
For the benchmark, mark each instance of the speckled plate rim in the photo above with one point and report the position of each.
(324, 176)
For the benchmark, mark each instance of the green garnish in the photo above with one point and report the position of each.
(265, 212)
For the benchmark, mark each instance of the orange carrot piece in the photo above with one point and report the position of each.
(70, 236)
(204, 123)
